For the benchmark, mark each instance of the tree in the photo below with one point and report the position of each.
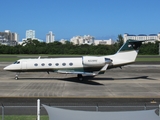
(120, 41)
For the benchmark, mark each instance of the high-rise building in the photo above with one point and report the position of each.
(50, 37)
(16, 36)
(8, 38)
(30, 34)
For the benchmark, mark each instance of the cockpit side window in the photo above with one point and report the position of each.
(17, 62)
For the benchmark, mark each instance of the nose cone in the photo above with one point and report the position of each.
(6, 68)
(9, 68)
(13, 67)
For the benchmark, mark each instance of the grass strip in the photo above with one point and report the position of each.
(147, 59)
(24, 117)
(12, 58)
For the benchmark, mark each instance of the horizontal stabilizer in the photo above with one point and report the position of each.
(102, 71)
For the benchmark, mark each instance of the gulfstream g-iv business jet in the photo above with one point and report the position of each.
(85, 65)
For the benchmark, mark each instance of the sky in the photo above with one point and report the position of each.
(102, 19)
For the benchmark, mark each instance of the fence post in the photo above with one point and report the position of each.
(2, 112)
(38, 109)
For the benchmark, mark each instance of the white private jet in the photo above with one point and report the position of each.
(85, 65)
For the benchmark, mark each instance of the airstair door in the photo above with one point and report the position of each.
(24, 65)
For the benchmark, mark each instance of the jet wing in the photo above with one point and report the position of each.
(76, 72)
(102, 71)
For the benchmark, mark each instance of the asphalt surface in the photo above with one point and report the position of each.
(134, 85)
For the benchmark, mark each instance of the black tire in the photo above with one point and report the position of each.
(80, 77)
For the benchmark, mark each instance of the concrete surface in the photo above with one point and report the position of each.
(134, 81)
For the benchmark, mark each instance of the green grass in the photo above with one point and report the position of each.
(8, 59)
(12, 58)
(24, 117)
(148, 59)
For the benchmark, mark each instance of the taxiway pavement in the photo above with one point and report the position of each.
(134, 81)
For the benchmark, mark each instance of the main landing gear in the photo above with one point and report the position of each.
(80, 77)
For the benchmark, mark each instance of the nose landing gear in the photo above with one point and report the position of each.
(16, 76)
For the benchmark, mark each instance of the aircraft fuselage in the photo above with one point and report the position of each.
(54, 64)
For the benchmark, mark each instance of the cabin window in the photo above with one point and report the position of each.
(17, 62)
(57, 64)
(42, 64)
(50, 64)
(70, 64)
(35, 64)
(64, 64)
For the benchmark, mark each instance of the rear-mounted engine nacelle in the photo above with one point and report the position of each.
(95, 61)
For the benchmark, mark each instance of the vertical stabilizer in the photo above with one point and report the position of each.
(127, 53)
(130, 45)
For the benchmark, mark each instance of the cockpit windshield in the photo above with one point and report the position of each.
(17, 62)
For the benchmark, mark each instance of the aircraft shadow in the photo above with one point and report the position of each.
(129, 78)
(89, 80)
(85, 81)
(70, 79)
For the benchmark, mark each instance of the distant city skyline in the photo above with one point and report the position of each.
(102, 19)
(10, 38)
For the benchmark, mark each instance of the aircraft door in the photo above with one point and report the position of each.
(24, 65)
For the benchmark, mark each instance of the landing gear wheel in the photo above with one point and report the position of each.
(16, 76)
(80, 77)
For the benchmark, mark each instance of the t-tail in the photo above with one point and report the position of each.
(126, 54)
